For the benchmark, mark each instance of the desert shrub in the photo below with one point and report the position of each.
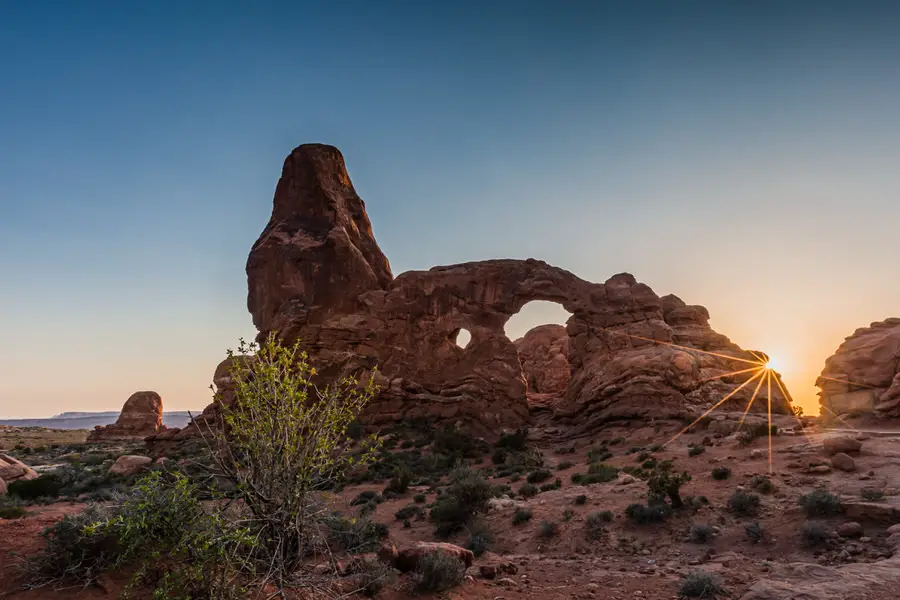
(75, 550)
(650, 463)
(754, 532)
(280, 441)
(872, 494)
(815, 534)
(480, 537)
(355, 535)
(456, 444)
(594, 524)
(664, 483)
(555, 485)
(516, 441)
(762, 484)
(498, 457)
(366, 497)
(529, 490)
(372, 576)
(409, 511)
(580, 499)
(743, 504)
(48, 485)
(568, 514)
(821, 503)
(548, 529)
(643, 514)
(437, 572)
(696, 450)
(522, 515)
(599, 454)
(466, 496)
(399, 483)
(538, 476)
(721, 473)
(701, 533)
(564, 465)
(700, 585)
(12, 512)
(419, 498)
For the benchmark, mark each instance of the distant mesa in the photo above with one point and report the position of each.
(316, 274)
(863, 375)
(141, 416)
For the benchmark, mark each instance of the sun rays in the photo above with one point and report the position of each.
(762, 371)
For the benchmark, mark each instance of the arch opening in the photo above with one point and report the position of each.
(461, 337)
(538, 331)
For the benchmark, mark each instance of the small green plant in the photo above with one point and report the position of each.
(366, 497)
(409, 511)
(516, 441)
(743, 504)
(580, 500)
(664, 483)
(555, 485)
(522, 515)
(564, 465)
(700, 585)
(721, 473)
(754, 532)
(419, 498)
(12, 512)
(821, 503)
(701, 533)
(548, 529)
(480, 537)
(595, 524)
(568, 514)
(696, 450)
(466, 496)
(48, 485)
(437, 572)
(815, 534)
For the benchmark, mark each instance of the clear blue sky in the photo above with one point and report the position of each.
(740, 155)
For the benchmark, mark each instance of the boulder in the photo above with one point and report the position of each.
(843, 462)
(141, 417)
(863, 375)
(408, 558)
(850, 530)
(12, 469)
(836, 444)
(130, 465)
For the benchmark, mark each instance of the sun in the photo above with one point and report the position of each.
(773, 364)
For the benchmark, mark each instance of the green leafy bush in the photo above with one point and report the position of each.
(522, 515)
(645, 514)
(48, 485)
(466, 496)
(538, 476)
(762, 484)
(664, 483)
(580, 499)
(696, 450)
(548, 529)
(701, 533)
(529, 490)
(721, 473)
(564, 465)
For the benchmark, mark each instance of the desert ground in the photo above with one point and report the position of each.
(560, 543)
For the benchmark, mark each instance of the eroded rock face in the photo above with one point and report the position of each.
(141, 416)
(12, 469)
(544, 356)
(863, 376)
(317, 275)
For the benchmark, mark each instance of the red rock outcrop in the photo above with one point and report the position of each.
(141, 416)
(317, 275)
(544, 356)
(12, 469)
(863, 375)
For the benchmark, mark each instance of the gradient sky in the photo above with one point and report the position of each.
(740, 155)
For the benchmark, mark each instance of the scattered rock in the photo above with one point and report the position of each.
(850, 530)
(840, 444)
(130, 465)
(408, 558)
(843, 462)
(12, 469)
(819, 470)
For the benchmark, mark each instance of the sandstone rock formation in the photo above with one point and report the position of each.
(316, 274)
(12, 469)
(544, 356)
(130, 465)
(863, 376)
(141, 416)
